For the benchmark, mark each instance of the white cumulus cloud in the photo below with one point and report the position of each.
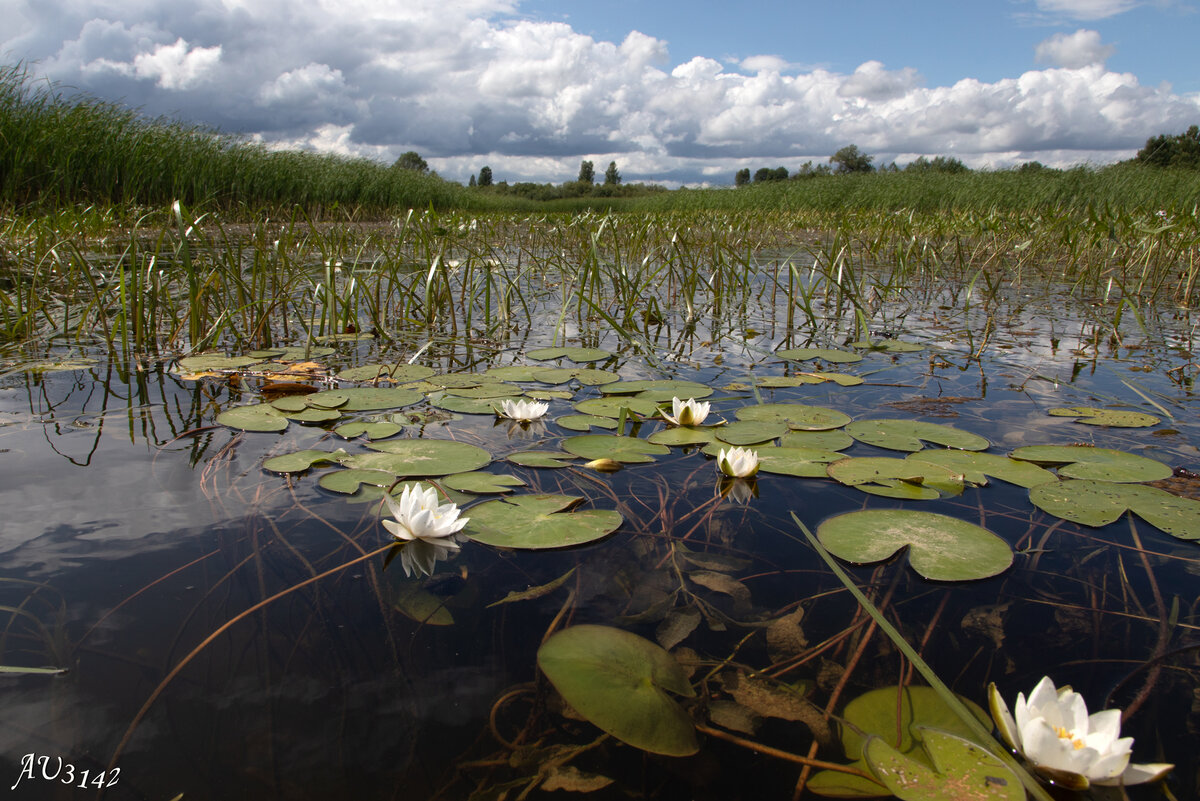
(1087, 9)
(1073, 50)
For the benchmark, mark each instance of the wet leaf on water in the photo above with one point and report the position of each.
(541, 458)
(348, 482)
(786, 381)
(976, 467)
(511, 372)
(910, 435)
(622, 683)
(366, 399)
(549, 394)
(751, 432)
(535, 592)
(261, 417)
(396, 373)
(471, 405)
(588, 376)
(290, 403)
(611, 406)
(574, 354)
(887, 710)
(214, 362)
(962, 770)
(668, 387)
(421, 457)
(679, 436)
(376, 429)
(313, 416)
(940, 548)
(1116, 418)
(796, 415)
(888, 345)
(896, 478)
(585, 422)
(618, 448)
(492, 389)
(1098, 503)
(824, 354)
(300, 461)
(1102, 464)
(478, 483)
(538, 522)
(834, 440)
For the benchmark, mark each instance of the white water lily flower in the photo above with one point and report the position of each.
(687, 412)
(522, 409)
(1055, 733)
(429, 530)
(738, 462)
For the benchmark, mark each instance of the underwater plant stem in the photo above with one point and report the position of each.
(162, 685)
(779, 754)
(1164, 631)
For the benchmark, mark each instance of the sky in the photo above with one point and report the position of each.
(674, 91)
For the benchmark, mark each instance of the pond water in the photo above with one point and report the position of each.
(217, 645)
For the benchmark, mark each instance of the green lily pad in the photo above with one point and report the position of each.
(396, 373)
(541, 458)
(421, 457)
(1102, 464)
(290, 403)
(680, 436)
(611, 407)
(471, 405)
(833, 440)
(366, 399)
(214, 362)
(313, 416)
(940, 548)
(751, 432)
(976, 466)
(786, 381)
(897, 478)
(797, 416)
(824, 354)
(962, 770)
(549, 394)
(348, 482)
(588, 376)
(617, 448)
(910, 435)
(1098, 503)
(492, 389)
(258, 417)
(511, 372)
(1116, 418)
(585, 422)
(888, 345)
(371, 429)
(300, 461)
(458, 380)
(478, 483)
(538, 522)
(621, 683)
(672, 388)
(574, 354)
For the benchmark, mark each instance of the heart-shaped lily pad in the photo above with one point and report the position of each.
(257, 417)
(975, 467)
(617, 448)
(541, 458)
(620, 682)
(940, 548)
(471, 405)
(611, 407)
(538, 522)
(348, 482)
(396, 373)
(1098, 503)
(478, 483)
(908, 435)
(511, 372)
(574, 354)
(492, 389)
(786, 381)
(588, 376)
(680, 436)
(371, 429)
(962, 770)
(824, 354)
(421, 457)
(1102, 464)
(897, 478)
(668, 387)
(313, 416)
(798, 416)
(300, 461)
(1116, 418)
(833, 440)
(211, 362)
(365, 399)
(751, 432)
(585, 422)
(888, 345)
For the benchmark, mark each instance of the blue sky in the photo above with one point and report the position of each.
(674, 92)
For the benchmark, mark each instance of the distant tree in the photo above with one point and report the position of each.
(1032, 166)
(741, 177)
(809, 170)
(485, 176)
(850, 159)
(938, 164)
(611, 176)
(767, 174)
(411, 161)
(587, 173)
(1173, 151)
(472, 181)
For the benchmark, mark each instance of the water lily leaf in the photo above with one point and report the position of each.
(1102, 464)
(214, 362)
(824, 354)
(751, 432)
(479, 483)
(366, 399)
(658, 395)
(300, 461)
(786, 381)
(371, 429)
(541, 458)
(888, 345)
(329, 399)
(415, 602)
(510, 372)
(421, 457)
(396, 373)
(585, 422)
(841, 379)
(574, 354)
(940, 548)
(897, 478)
(313, 416)
(679, 436)
(833, 440)
(976, 466)
(962, 770)
(588, 376)
(294, 353)
(538, 522)
(257, 417)
(1117, 418)
(617, 448)
(348, 482)
(836, 784)
(797, 416)
(907, 435)
(549, 394)
(620, 682)
(471, 405)
(611, 407)
(290, 403)
(801, 462)
(671, 387)
(492, 389)
(1098, 503)
(888, 711)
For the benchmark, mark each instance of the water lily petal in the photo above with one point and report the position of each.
(1043, 747)
(1108, 767)
(1104, 729)
(1003, 718)
(1140, 774)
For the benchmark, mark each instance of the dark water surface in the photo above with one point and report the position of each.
(134, 529)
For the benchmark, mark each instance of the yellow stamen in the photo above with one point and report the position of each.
(1066, 735)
